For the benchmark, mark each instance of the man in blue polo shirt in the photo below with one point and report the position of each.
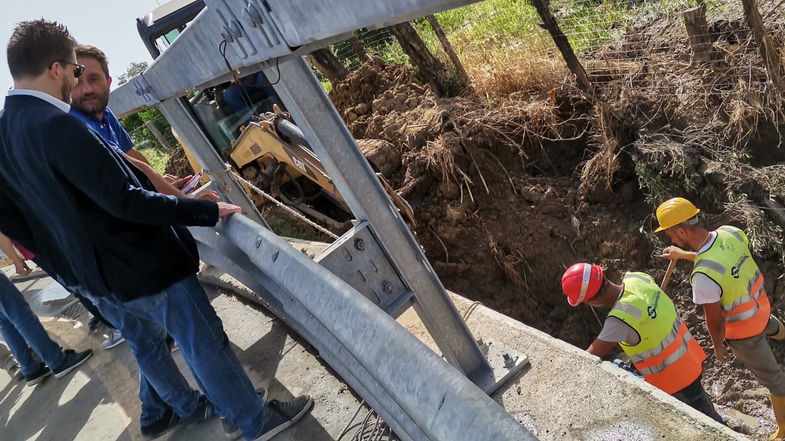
(90, 101)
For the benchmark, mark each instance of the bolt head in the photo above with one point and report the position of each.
(359, 244)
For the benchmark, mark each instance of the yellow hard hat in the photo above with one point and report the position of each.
(675, 211)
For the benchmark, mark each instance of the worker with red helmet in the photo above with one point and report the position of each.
(728, 284)
(644, 322)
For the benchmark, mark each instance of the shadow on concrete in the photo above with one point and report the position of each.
(47, 411)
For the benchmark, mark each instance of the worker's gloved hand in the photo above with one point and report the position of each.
(627, 367)
(673, 253)
(722, 354)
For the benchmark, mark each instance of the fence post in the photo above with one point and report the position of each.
(698, 32)
(437, 29)
(358, 48)
(768, 50)
(429, 67)
(550, 24)
(329, 65)
(158, 136)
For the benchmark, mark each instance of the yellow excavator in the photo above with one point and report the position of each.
(272, 155)
(244, 121)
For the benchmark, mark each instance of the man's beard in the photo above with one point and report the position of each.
(65, 92)
(98, 106)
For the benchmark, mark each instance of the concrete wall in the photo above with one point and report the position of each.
(568, 394)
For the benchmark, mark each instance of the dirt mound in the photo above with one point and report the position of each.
(177, 164)
(508, 192)
(490, 186)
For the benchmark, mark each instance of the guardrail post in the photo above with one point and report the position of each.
(323, 127)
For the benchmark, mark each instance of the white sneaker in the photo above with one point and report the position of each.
(114, 339)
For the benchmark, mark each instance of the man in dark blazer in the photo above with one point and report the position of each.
(66, 196)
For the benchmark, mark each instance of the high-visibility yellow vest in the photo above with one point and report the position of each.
(744, 302)
(667, 356)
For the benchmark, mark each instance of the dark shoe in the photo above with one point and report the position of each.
(204, 411)
(779, 335)
(283, 414)
(162, 426)
(38, 376)
(231, 431)
(171, 344)
(93, 324)
(71, 361)
(114, 338)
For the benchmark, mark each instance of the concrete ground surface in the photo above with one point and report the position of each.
(98, 401)
(564, 394)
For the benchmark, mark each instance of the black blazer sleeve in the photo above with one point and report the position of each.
(83, 161)
(13, 224)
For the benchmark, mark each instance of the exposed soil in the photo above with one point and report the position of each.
(507, 196)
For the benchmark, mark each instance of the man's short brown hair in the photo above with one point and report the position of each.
(35, 45)
(85, 50)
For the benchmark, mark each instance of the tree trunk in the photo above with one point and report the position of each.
(550, 24)
(768, 51)
(329, 65)
(358, 48)
(698, 31)
(463, 78)
(429, 67)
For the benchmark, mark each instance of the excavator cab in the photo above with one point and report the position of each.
(249, 127)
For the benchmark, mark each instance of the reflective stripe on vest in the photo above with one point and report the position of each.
(629, 309)
(728, 262)
(667, 356)
(747, 305)
(712, 265)
(638, 358)
(636, 276)
(732, 231)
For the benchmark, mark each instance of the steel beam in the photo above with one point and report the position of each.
(415, 390)
(257, 31)
(307, 21)
(323, 127)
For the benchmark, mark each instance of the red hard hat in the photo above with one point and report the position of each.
(581, 282)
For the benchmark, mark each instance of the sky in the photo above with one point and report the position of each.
(110, 25)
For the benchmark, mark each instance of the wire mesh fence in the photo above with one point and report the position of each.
(154, 139)
(689, 50)
(645, 44)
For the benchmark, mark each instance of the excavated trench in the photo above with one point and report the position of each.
(507, 197)
(504, 201)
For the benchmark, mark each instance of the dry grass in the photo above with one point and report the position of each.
(499, 73)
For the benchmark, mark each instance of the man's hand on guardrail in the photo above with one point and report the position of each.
(207, 195)
(225, 210)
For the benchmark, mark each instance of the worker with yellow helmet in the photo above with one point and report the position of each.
(727, 283)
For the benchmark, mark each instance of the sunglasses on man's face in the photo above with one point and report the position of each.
(78, 71)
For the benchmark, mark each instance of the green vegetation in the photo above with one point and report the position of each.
(157, 157)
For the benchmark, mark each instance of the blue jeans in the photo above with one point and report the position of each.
(22, 330)
(157, 369)
(184, 311)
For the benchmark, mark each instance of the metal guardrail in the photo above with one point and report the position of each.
(418, 394)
